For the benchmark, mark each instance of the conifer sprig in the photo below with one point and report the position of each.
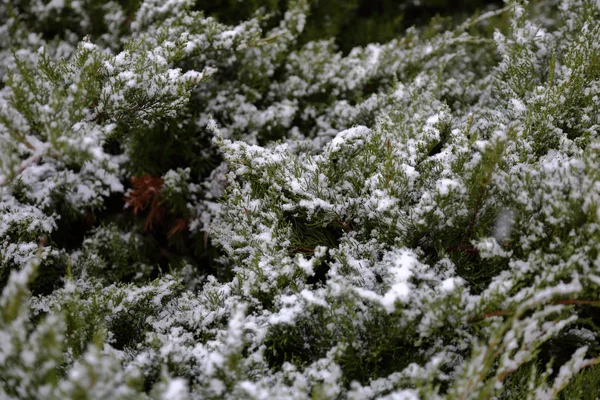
(192, 207)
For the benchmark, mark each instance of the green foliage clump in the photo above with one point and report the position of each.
(232, 200)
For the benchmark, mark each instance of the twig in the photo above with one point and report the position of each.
(24, 165)
(557, 302)
(464, 248)
(302, 248)
(488, 315)
(344, 225)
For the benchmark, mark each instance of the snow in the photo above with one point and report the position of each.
(176, 390)
(306, 265)
(448, 285)
(489, 248)
(320, 162)
(445, 186)
(349, 136)
(518, 106)
(398, 292)
(504, 225)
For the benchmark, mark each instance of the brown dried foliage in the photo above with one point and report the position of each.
(179, 225)
(146, 193)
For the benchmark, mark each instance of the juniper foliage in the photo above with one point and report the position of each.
(205, 202)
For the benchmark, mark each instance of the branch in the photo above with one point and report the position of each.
(302, 248)
(343, 225)
(595, 303)
(26, 164)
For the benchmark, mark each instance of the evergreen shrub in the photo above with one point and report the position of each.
(206, 200)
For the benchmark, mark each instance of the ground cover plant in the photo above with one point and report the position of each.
(224, 200)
